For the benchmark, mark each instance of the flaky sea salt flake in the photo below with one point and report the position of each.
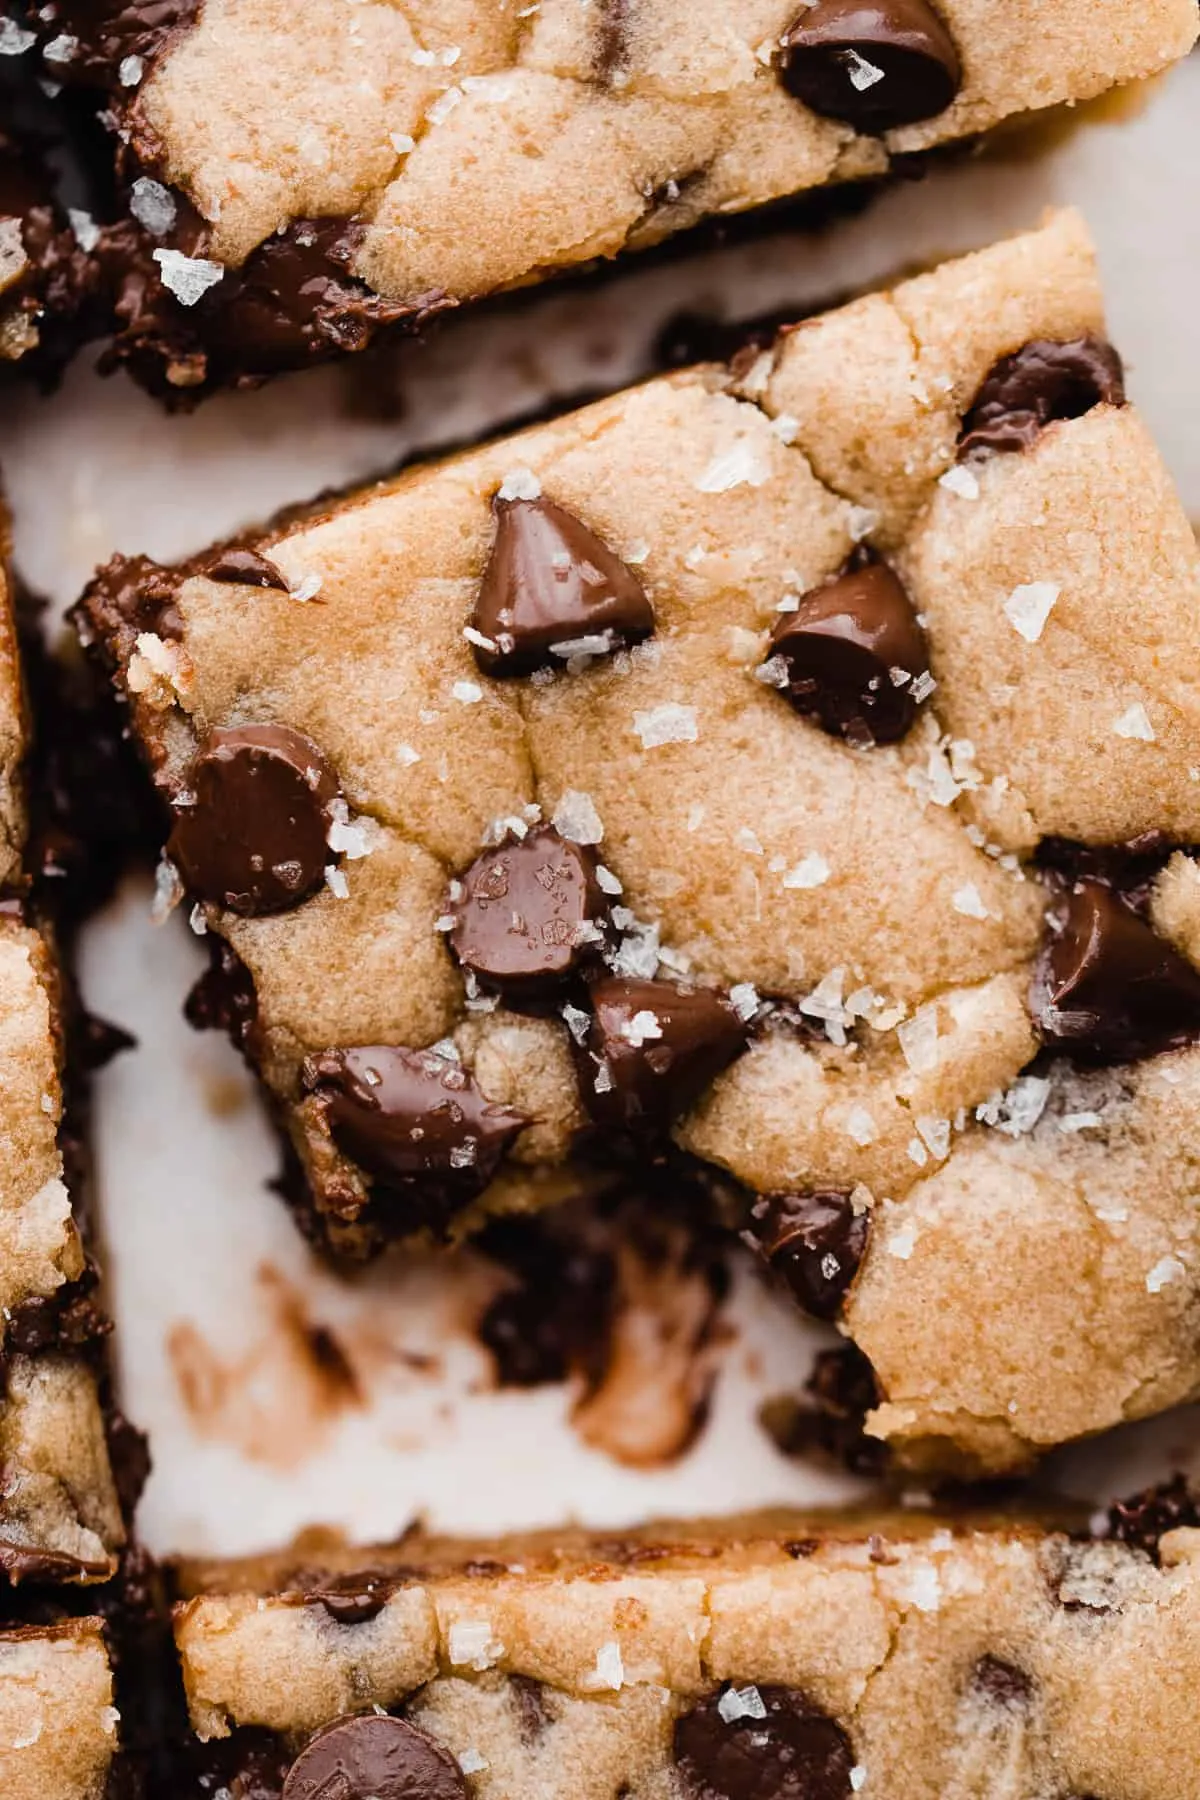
(741, 1703)
(153, 206)
(918, 1039)
(519, 484)
(669, 723)
(336, 882)
(576, 819)
(1165, 1270)
(14, 41)
(743, 997)
(741, 465)
(968, 902)
(472, 1763)
(187, 277)
(1029, 606)
(812, 871)
(960, 480)
(467, 693)
(609, 1671)
(1134, 722)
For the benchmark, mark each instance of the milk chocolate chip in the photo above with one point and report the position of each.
(529, 915)
(252, 834)
(551, 585)
(411, 1115)
(652, 1049)
(1108, 987)
(874, 64)
(374, 1757)
(773, 1744)
(816, 1242)
(1042, 382)
(853, 650)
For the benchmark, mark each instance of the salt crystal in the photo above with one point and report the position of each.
(443, 106)
(935, 1134)
(637, 953)
(741, 1703)
(1134, 722)
(1167, 1269)
(811, 872)
(153, 206)
(336, 882)
(917, 1152)
(743, 464)
(918, 1039)
(1016, 1112)
(472, 1763)
(863, 74)
(61, 49)
(902, 1242)
(1029, 606)
(967, 901)
(87, 232)
(468, 692)
(187, 277)
(1080, 1121)
(13, 40)
(669, 723)
(197, 921)
(786, 428)
(476, 637)
(610, 1670)
(862, 521)
(860, 1126)
(130, 70)
(743, 997)
(471, 1645)
(519, 484)
(748, 841)
(168, 891)
(858, 1778)
(607, 880)
(641, 1029)
(959, 480)
(922, 1587)
(638, 551)
(401, 142)
(576, 819)
(923, 685)
(578, 1022)
(773, 672)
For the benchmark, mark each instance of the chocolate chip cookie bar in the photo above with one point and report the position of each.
(908, 1657)
(58, 1723)
(298, 178)
(789, 768)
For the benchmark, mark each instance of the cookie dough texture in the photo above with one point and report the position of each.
(961, 1658)
(58, 1724)
(1022, 1286)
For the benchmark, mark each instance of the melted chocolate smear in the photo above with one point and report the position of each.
(557, 1319)
(1043, 382)
(828, 1421)
(224, 998)
(374, 1757)
(246, 567)
(699, 337)
(530, 915)
(652, 1049)
(253, 838)
(840, 648)
(873, 64)
(108, 31)
(129, 595)
(1130, 869)
(129, 1454)
(1108, 988)
(795, 1752)
(816, 1242)
(20, 1564)
(1144, 1519)
(551, 583)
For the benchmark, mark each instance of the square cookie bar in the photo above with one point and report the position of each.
(911, 1658)
(58, 1723)
(298, 177)
(789, 768)
(60, 1517)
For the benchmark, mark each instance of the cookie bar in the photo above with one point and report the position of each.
(788, 766)
(298, 178)
(58, 1723)
(904, 1656)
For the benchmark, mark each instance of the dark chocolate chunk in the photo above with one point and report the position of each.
(1142, 1520)
(652, 1049)
(874, 64)
(792, 1751)
(530, 914)
(551, 583)
(1042, 382)
(411, 1116)
(1002, 1683)
(238, 564)
(816, 1242)
(1108, 987)
(853, 649)
(253, 837)
(374, 1757)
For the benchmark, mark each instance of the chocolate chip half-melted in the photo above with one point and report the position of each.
(550, 585)
(412, 1116)
(253, 835)
(816, 1242)
(374, 1757)
(653, 1047)
(1042, 382)
(245, 567)
(853, 650)
(784, 1748)
(1107, 987)
(874, 64)
(530, 915)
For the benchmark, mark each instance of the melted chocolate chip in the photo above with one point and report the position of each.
(1107, 987)
(529, 1700)
(795, 1752)
(247, 567)
(652, 1049)
(830, 1420)
(224, 998)
(1042, 382)
(551, 583)
(529, 915)
(1143, 1520)
(1131, 869)
(874, 64)
(254, 839)
(353, 1599)
(853, 649)
(816, 1242)
(1001, 1683)
(412, 1116)
(374, 1757)
(128, 595)
(558, 1316)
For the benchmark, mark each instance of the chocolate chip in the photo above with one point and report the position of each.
(1130, 868)
(254, 836)
(816, 1242)
(374, 1757)
(1107, 987)
(352, 1599)
(549, 584)
(105, 32)
(1042, 382)
(529, 914)
(853, 649)
(223, 998)
(793, 1751)
(1142, 1520)
(411, 1116)
(875, 64)
(529, 1700)
(652, 1048)
(1001, 1683)
(246, 567)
